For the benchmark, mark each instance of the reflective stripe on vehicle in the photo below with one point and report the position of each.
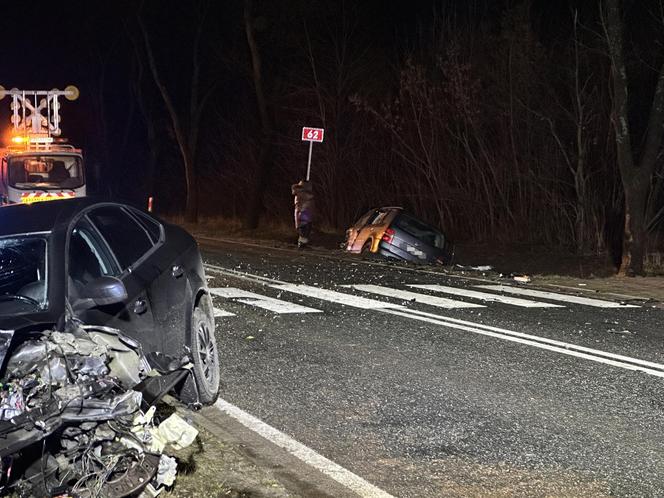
(32, 197)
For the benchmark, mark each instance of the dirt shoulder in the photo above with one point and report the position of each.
(218, 464)
(213, 467)
(230, 459)
(544, 267)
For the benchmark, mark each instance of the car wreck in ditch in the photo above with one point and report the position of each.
(397, 235)
(103, 310)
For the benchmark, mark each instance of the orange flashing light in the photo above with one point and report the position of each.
(19, 139)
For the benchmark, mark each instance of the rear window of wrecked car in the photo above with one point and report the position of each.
(378, 218)
(420, 230)
(128, 239)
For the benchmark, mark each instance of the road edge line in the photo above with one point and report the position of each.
(528, 342)
(312, 458)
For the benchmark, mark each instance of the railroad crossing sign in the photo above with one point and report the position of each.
(311, 135)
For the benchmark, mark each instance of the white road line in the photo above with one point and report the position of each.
(486, 296)
(598, 303)
(620, 361)
(333, 470)
(336, 297)
(250, 277)
(219, 313)
(544, 340)
(440, 302)
(541, 343)
(260, 301)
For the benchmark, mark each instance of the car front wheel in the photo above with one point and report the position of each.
(203, 385)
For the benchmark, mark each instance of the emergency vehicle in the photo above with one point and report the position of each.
(37, 164)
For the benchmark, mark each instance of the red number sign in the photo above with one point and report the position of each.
(312, 134)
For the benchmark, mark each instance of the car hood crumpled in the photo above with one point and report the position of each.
(78, 391)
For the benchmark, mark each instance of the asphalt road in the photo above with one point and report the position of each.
(424, 400)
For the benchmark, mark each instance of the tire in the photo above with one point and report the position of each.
(203, 385)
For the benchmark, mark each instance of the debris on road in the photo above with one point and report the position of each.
(173, 431)
(621, 332)
(475, 268)
(522, 279)
(76, 416)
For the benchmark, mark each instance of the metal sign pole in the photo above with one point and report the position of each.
(311, 146)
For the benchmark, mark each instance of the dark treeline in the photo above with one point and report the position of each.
(523, 121)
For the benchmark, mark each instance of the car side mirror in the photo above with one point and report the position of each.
(102, 291)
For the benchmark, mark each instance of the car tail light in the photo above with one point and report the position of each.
(388, 235)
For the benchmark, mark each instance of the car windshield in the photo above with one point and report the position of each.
(22, 274)
(45, 171)
(420, 230)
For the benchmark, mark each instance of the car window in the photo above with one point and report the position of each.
(88, 257)
(23, 274)
(364, 219)
(152, 226)
(420, 230)
(128, 240)
(378, 218)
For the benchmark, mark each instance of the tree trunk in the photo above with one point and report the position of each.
(255, 207)
(191, 206)
(187, 138)
(635, 178)
(580, 219)
(634, 241)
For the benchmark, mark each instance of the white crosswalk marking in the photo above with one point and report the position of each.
(219, 313)
(598, 303)
(336, 297)
(440, 302)
(265, 302)
(485, 296)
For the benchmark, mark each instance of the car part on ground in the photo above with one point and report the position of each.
(394, 234)
(71, 421)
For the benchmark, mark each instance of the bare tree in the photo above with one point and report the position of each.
(577, 116)
(185, 124)
(142, 101)
(636, 174)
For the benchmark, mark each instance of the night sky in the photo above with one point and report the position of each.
(85, 43)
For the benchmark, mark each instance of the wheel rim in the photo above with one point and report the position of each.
(206, 350)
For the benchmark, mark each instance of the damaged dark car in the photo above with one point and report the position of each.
(103, 310)
(394, 234)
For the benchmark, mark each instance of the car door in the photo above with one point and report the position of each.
(168, 291)
(130, 246)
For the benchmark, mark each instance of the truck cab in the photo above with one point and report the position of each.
(34, 176)
(38, 165)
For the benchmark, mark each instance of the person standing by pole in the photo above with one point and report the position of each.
(303, 191)
(303, 194)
